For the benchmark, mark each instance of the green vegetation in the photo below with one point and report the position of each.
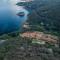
(44, 15)
(12, 49)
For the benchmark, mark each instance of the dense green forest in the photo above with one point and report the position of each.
(45, 14)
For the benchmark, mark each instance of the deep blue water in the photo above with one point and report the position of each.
(9, 21)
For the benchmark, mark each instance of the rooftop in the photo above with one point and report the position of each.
(40, 36)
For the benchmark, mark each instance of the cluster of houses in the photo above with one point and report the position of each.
(40, 36)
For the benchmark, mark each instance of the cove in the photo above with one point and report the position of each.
(9, 20)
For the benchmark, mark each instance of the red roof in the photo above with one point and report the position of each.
(41, 36)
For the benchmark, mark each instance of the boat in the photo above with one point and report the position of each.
(21, 14)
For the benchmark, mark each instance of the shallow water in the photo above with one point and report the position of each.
(9, 21)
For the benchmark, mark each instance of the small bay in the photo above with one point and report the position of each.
(9, 20)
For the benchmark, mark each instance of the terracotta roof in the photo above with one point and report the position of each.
(41, 36)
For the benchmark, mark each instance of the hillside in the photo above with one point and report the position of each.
(44, 15)
(39, 38)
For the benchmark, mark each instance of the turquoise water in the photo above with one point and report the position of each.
(9, 21)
